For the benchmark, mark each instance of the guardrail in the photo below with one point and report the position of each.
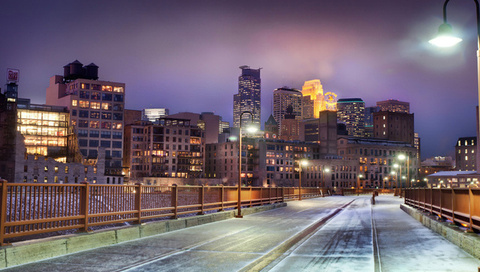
(29, 209)
(459, 205)
(368, 191)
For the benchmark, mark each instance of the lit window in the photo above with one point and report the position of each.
(66, 169)
(45, 180)
(84, 104)
(46, 168)
(106, 106)
(466, 158)
(56, 169)
(106, 88)
(74, 103)
(118, 89)
(95, 105)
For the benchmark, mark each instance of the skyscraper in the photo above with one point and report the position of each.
(282, 99)
(313, 99)
(248, 97)
(351, 111)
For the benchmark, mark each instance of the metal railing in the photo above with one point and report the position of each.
(29, 209)
(459, 205)
(367, 191)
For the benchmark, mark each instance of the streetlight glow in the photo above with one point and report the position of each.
(445, 37)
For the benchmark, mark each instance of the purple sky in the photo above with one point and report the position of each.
(184, 55)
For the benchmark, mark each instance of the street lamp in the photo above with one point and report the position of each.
(360, 176)
(444, 35)
(399, 181)
(326, 170)
(250, 129)
(402, 157)
(304, 163)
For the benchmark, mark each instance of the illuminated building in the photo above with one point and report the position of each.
(376, 158)
(271, 128)
(313, 99)
(248, 97)
(171, 148)
(209, 123)
(369, 111)
(282, 99)
(393, 105)
(45, 129)
(351, 111)
(152, 114)
(96, 112)
(274, 163)
(465, 157)
(290, 127)
(394, 126)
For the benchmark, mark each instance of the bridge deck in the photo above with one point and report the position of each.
(323, 234)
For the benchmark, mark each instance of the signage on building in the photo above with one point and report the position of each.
(12, 75)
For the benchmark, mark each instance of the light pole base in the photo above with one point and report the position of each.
(238, 216)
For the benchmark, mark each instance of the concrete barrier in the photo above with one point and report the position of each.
(35, 250)
(470, 242)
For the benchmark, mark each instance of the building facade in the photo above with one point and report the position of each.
(282, 99)
(351, 111)
(96, 112)
(313, 99)
(394, 126)
(465, 154)
(393, 105)
(171, 148)
(377, 159)
(248, 97)
(152, 114)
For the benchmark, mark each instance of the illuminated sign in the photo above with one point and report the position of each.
(331, 101)
(12, 75)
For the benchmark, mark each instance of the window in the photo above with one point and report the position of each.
(82, 133)
(106, 88)
(56, 169)
(117, 125)
(107, 97)
(106, 125)
(106, 106)
(82, 142)
(106, 134)
(95, 114)
(95, 105)
(74, 112)
(82, 123)
(116, 154)
(117, 144)
(106, 115)
(94, 124)
(94, 133)
(95, 96)
(45, 180)
(84, 94)
(117, 107)
(118, 89)
(74, 103)
(118, 116)
(105, 144)
(84, 104)
(66, 170)
(83, 113)
(118, 98)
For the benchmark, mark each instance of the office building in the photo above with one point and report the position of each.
(313, 99)
(290, 127)
(394, 126)
(369, 111)
(351, 111)
(284, 98)
(393, 105)
(248, 97)
(465, 154)
(96, 112)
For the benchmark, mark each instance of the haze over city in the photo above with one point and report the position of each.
(184, 55)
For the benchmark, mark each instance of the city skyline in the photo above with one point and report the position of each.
(185, 55)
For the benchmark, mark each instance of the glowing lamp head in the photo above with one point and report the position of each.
(445, 37)
(304, 162)
(401, 157)
(252, 129)
(327, 170)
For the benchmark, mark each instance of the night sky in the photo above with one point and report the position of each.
(184, 55)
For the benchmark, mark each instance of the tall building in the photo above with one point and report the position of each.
(282, 99)
(152, 114)
(465, 157)
(394, 126)
(393, 105)
(313, 99)
(351, 111)
(290, 127)
(96, 112)
(369, 111)
(248, 97)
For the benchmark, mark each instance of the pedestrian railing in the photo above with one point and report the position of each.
(367, 191)
(31, 208)
(459, 205)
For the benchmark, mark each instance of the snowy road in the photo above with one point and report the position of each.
(323, 234)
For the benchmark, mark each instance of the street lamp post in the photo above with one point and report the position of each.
(239, 203)
(326, 170)
(402, 157)
(399, 177)
(445, 38)
(305, 163)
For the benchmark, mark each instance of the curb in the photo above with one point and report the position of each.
(470, 242)
(36, 250)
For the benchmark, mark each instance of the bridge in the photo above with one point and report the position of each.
(336, 233)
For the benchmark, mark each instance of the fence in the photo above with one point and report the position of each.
(368, 191)
(459, 205)
(29, 209)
